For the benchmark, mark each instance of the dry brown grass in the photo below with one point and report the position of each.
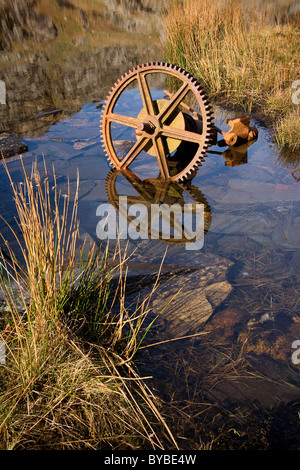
(241, 59)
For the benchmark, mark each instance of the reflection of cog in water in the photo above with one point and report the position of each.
(157, 191)
(296, 174)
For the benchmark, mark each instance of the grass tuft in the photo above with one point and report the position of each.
(69, 381)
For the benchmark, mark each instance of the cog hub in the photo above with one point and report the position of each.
(151, 125)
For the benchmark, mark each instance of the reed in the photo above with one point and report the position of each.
(69, 381)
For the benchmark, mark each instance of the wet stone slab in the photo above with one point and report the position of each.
(185, 302)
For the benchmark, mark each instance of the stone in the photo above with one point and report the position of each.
(51, 112)
(245, 191)
(185, 312)
(11, 145)
(82, 145)
(186, 302)
(217, 293)
(226, 323)
(270, 384)
(274, 342)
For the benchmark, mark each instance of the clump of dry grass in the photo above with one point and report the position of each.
(287, 131)
(241, 58)
(69, 381)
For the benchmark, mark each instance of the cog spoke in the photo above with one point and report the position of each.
(174, 103)
(182, 134)
(134, 152)
(145, 93)
(120, 119)
(161, 156)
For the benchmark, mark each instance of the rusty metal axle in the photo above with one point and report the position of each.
(240, 127)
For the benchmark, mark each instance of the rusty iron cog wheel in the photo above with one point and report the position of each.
(162, 125)
(156, 191)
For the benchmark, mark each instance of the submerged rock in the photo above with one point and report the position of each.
(51, 112)
(187, 301)
(226, 323)
(271, 336)
(11, 145)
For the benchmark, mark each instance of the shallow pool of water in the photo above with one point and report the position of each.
(244, 277)
(235, 299)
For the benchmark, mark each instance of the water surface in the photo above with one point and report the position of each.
(245, 278)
